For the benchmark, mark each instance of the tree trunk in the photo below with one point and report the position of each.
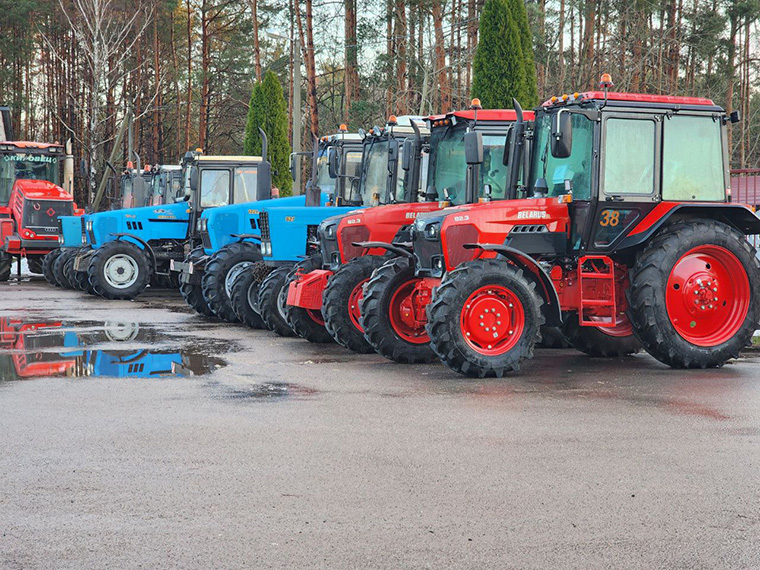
(254, 4)
(441, 71)
(351, 74)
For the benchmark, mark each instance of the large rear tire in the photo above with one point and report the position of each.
(47, 266)
(341, 302)
(221, 270)
(388, 314)
(59, 267)
(119, 270)
(245, 294)
(602, 341)
(694, 299)
(485, 318)
(192, 293)
(271, 301)
(309, 324)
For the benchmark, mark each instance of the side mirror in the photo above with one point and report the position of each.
(194, 180)
(407, 153)
(392, 154)
(264, 181)
(333, 167)
(735, 116)
(293, 165)
(562, 134)
(508, 145)
(473, 147)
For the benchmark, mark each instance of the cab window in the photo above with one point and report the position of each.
(493, 171)
(692, 159)
(215, 188)
(629, 156)
(245, 185)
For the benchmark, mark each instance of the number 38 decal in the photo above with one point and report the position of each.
(609, 218)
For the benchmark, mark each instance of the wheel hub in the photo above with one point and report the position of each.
(492, 320)
(707, 295)
(407, 311)
(121, 271)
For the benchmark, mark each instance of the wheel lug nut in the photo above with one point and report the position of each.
(715, 289)
(481, 316)
(488, 329)
(495, 335)
(482, 325)
(499, 322)
(485, 311)
(510, 305)
(498, 314)
(510, 332)
(703, 307)
(468, 334)
(709, 306)
(489, 346)
(696, 292)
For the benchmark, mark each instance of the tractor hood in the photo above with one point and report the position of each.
(146, 223)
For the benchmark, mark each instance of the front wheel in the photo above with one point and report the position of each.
(48, 263)
(393, 313)
(271, 301)
(245, 294)
(485, 319)
(59, 267)
(119, 270)
(694, 299)
(221, 271)
(309, 324)
(192, 292)
(6, 261)
(341, 299)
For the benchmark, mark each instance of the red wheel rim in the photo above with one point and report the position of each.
(708, 295)
(357, 294)
(316, 316)
(492, 320)
(407, 314)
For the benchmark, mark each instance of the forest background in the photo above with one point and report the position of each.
(186, 68)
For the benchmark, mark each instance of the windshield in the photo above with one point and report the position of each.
(157, 189)
(549, 174)
(23, 166)
(245, 184)
(375, 174)
(325, 183)
(352, 164)
(215, 187)
(448, 167)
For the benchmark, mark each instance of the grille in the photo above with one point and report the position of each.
(134, 225)
(253, 223)
(424, 251)
(41, 216)
(264, 225)
(348, 236)
(530, 229)
(206, 240)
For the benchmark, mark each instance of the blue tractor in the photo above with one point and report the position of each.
(159, 185)
(231, 238)
(289, 238)
(130, 246)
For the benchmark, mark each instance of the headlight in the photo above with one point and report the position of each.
(198, 225)
(431, 230)
(88, 225)
(202, 224)
(330, 231)
(60, 239)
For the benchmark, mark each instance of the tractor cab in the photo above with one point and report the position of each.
(135, 187)
(31, 200)
(166, 185)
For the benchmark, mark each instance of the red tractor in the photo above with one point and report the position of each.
(29, 344)
(619, 227)
(31, 200)
(347, 242)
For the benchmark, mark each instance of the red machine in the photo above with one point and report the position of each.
(31, 200)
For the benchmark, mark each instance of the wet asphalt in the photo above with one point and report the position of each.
(234, 448)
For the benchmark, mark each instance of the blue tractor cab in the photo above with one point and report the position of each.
(289, 236)
(231, 242)
(130, 246)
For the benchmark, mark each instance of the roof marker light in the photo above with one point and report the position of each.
(343, 127)
(475, 104)
(606, 81)
(392, 120)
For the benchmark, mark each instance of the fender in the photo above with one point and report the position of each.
(241, 237)
(142, 242)
(737, 216)
(400, 249)
(552, 310)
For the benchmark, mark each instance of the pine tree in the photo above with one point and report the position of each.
(498, 67)
(529, 95)
(268, 110)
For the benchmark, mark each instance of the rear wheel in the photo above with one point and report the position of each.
(485, 319)
(245, 294)
(694, 299)
(47, 266)
(602, 341)
(309, 324)
(271, 304)
(393, 314)
(59, 267)
(35, 264)
(341, 298)
(119, 270)
(192, 292)
(221, 270)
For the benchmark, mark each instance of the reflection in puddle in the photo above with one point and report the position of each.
(36, 349)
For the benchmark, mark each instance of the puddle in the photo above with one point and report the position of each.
(37, 349)
(265, 391)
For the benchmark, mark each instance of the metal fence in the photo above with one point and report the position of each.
(745, 189)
